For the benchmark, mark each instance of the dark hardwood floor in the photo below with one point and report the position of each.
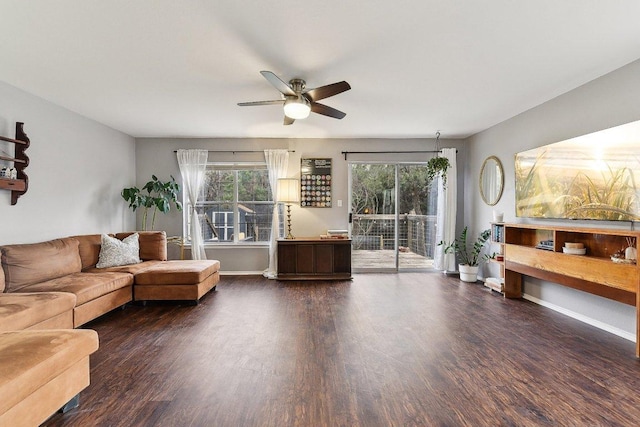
(411, 349)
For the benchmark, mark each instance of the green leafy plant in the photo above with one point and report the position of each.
(159, 196)
(437, 166)
(488, 257)
(468, 253)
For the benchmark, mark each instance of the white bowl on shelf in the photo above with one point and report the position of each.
(574, 251)
(571, 245)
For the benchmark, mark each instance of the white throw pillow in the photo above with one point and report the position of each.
(115, 252)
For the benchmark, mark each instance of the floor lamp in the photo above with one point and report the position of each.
(288, 193)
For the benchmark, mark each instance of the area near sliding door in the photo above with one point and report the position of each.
(393, 216)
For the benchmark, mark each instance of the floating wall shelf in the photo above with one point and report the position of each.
(20, 161)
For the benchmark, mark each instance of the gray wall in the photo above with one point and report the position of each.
(609, 101)
(77, 169)
(156, 156)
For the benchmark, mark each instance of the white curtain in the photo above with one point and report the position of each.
(193, 166)
(447, 209)
(277, 163)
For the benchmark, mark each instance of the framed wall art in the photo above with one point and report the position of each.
(315, 183)
(595, 176)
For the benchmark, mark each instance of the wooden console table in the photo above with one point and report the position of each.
(314, 259)
(595, 272)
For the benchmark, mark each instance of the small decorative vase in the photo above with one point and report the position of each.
(631, 253)
(468, 273)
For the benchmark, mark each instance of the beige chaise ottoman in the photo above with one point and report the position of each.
(41, 372)
(41, 310)
(183, 280)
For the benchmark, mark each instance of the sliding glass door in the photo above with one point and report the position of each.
(373, 216)
(392, 217)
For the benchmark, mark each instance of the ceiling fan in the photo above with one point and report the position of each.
(298, 101)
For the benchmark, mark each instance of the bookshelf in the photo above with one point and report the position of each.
(496, 241)
(539, 251)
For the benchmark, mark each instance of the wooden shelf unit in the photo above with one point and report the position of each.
(20, 161)
(497, 239)
(314, 259)
(593, 272)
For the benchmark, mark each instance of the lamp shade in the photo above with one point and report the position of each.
(288, 191)
(297, 108)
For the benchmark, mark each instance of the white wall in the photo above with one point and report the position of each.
(77, 169)
(609, 101)
(156, 156)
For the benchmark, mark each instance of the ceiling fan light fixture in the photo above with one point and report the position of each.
(297, 108)
(298, 101)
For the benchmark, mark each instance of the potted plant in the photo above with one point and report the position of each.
(437, 166)
(159, 196)
(468, 253)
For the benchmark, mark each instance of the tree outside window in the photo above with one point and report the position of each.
(236, 205)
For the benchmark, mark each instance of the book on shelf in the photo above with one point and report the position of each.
(494, 283)
(497, 233)
(546, 245)
(335, 234)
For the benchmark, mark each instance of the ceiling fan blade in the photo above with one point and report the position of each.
(277, 83)
(326, 110)
(327, 91)
(252, 103)
(288, 121)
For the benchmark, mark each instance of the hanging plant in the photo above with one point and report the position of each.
(437, 166)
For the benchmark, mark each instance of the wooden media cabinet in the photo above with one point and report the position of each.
(314, 259)
(595, 272)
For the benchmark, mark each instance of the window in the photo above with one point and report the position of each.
(235, 204)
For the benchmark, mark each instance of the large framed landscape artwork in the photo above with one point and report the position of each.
(594, 176)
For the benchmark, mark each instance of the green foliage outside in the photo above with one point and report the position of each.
(253, 185)
(373, 189)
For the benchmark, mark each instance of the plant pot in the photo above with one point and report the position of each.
(468, 273)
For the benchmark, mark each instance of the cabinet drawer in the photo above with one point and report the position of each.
(304, 259)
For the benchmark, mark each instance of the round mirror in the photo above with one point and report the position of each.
(491, 180)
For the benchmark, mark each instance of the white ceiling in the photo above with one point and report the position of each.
(167, 68)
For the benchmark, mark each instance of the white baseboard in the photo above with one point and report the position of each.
(241, 273)
(581, 317)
